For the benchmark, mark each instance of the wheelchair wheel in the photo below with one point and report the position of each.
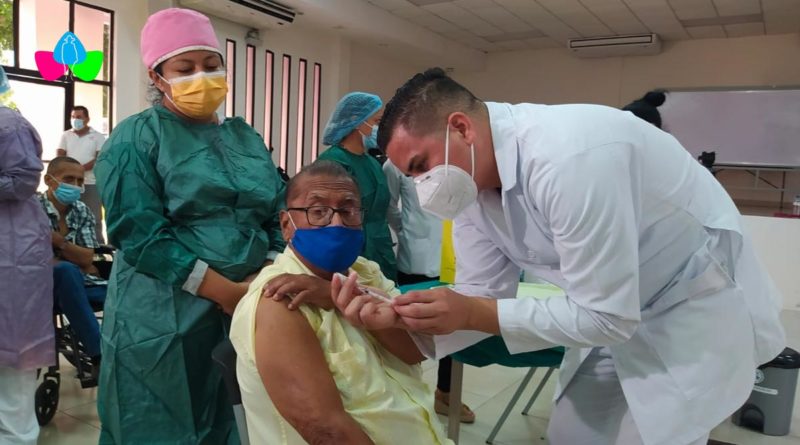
(46, 401)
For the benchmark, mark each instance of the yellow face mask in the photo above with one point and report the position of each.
(198, 95)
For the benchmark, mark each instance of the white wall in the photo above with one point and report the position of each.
(555, 76)
(314, 46)
(373, 70)
(777, 242)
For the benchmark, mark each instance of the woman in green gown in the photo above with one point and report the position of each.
(192, 204)
(350, 132)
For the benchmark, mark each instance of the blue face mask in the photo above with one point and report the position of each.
(330, 248)
(370, 141)
(67, 193)
(77, 124)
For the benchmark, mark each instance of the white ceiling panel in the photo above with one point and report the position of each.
(541, 19)
(781, 16)
(574, 14)
(706, 32)
(737, 7)
(391, 5)
(481, 44)
(461, 17)
(616, 16)
(744, 29)
(514, 36)
(495, 25)
(475, 4)
(542, 42)
(512, 45)
(693, 9)
(486, 29)
(657, 15)
(458, 34)
(503, 19)
(434, 23)
(409, 11)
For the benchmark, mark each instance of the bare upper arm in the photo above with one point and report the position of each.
(295, 374)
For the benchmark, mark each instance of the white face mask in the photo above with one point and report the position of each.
(446, 190)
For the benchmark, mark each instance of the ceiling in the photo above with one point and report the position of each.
(506, 25)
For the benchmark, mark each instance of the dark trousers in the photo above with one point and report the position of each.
(74, 299)
(445, 364)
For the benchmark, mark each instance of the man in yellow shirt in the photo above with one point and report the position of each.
(308, 375)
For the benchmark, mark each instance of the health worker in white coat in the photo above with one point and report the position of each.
(667, 311)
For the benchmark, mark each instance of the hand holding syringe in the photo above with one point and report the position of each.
(366, 290)
(362, 306)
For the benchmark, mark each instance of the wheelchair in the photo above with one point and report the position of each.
(67, 345)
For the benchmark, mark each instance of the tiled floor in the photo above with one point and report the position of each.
(486, 390)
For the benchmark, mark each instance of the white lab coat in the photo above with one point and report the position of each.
(649, 248)
(419, 234)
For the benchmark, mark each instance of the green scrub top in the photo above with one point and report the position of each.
(375, 199)
(177, 196)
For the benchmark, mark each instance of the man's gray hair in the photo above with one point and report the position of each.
(325, 168)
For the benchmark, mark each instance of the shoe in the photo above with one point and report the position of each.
(441, 406)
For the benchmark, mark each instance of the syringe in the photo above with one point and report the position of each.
(366, 290)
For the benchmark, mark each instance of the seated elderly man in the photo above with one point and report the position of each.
(308, 375)
(76, 284)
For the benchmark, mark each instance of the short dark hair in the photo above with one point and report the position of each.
(423, 103)
(646, 108)
(323, 167)
(55, 165)
(81, 108)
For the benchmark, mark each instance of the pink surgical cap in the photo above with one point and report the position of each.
(174, 31)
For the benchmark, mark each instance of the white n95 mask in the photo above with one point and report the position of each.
(446, 190)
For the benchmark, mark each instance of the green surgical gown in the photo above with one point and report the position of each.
(177, 195)
(375, 199)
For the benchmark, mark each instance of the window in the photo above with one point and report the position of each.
(28, 98)
(285, 87)
(94, 97)
(230, 63)
(301, 114)
(28, 26)
(8, 33)
(93, 27)
(40, 24)
(250, 84)
(269, 81)
(315, 111)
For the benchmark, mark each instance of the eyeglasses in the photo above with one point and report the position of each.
(320, 216)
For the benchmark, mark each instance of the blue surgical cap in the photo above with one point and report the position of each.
(350, 112)
(4, 85)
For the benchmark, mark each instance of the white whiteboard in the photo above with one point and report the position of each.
(757, 127)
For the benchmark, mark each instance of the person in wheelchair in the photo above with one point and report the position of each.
(307, 375)
(76, 281)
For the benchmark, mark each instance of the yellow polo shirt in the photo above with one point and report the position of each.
(386, 396)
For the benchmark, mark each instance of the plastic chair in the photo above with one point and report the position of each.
(225, 357)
